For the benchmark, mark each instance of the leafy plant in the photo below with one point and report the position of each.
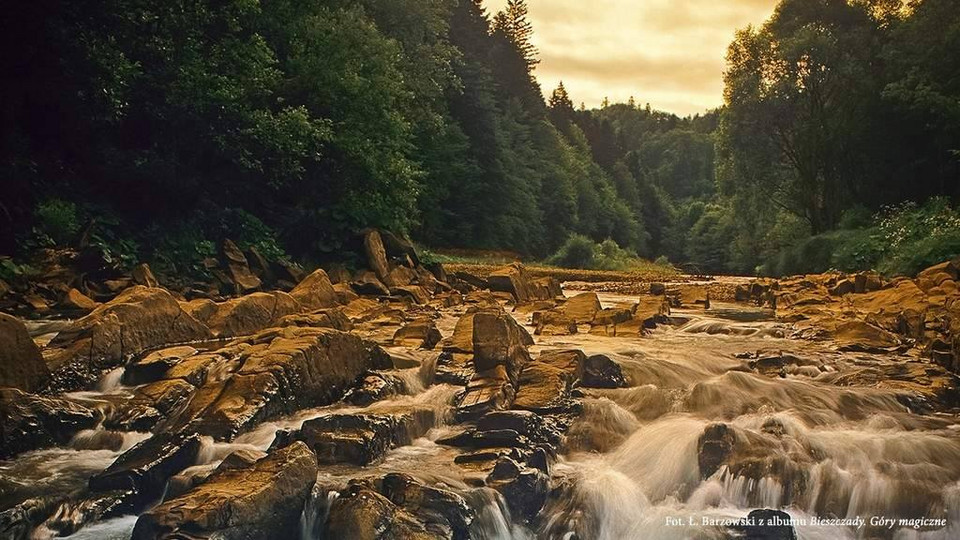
(56, 222)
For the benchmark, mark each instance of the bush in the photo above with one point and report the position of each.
(581, 252)
(902, 240)
(56, 222)
(576, 252)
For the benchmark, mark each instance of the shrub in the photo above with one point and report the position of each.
(581, 252)
(576, 252)
(56, 222)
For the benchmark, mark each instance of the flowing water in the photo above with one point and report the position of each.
(629, 465)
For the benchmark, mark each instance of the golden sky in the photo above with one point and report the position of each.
(669, 53)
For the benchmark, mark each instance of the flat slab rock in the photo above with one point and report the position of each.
(262, 501)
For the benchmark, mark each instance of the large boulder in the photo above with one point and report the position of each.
(262, 501)
(149, 404)
(601, 371)
(766, 524)
(421, 333)
(155, 365)
(145, 468)
(361, 439)
(934, 278)
(489, 390)
(361, 512)
(21, 364)
(239, 269)
(524, 488)
(544, 388)
(315, 291)
(582, 308)
(498, 340)
(252, 313)
(28, 421)
(280, 371)
(137, 320)
(376, 254)
(514, 279)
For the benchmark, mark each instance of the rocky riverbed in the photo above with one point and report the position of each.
(401, 402)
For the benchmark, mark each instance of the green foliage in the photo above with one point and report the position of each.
(581, 252)
(158, 131)
(900, 240)
(56, 222)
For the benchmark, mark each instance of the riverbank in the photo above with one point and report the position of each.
(458, 403)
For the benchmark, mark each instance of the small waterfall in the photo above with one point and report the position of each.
(112, 381)
(493, 517)
(315, 512)
(102, 439)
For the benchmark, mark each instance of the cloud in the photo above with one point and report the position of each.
(669, 53)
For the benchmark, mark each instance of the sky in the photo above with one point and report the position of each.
(669, 53)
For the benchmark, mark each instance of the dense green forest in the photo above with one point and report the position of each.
(156, 129)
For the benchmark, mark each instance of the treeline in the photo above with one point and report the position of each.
(156, 129)
(163, 127)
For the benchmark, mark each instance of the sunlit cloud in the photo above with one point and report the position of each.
(669, 53)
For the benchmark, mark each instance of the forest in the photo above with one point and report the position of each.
(154, 130)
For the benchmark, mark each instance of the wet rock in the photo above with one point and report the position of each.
(338, 274)
(528, 424)
(374, 386)
(454, 368)
(361, 512)
(658, 289)
(400, 276)
(689, 296)
(471, 279)
(239, 269)
(415, 293)
(601, 371)
(155, 365)
(581, 308)
(315, 291)
(261, 501)
(73, 515)
(513, 279)
(137, 320)
(150, 404)
(443, 513)
(498, 340)
(524, 488)
(21, 364)
(714, 447)
(29, 422)
(843, 287)
(241, 459)
(283, 370)
(767, 524)
(145, 468)
(490, 438)
(361, 439)
(421, 334)
(367, 283)
(252, 313)
(554, 323)
(487, 391)
(545, 388)
(462, 338)
(856, 335)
